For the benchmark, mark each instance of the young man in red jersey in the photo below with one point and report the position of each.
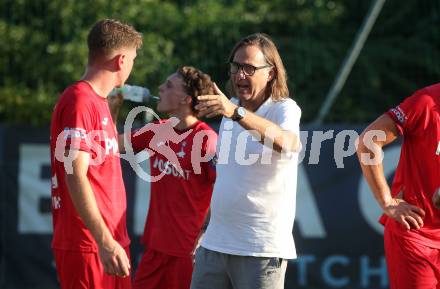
(181, 161)
(90, 241)
(411, 213)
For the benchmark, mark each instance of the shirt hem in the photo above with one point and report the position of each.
(250, 253)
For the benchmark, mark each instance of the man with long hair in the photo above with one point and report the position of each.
(249, 236)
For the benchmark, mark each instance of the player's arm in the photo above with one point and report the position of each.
(121, 143)
(283, 140)
(378, 134)
(206, 221)
(112, 255)
(201, 233)
(114, 103)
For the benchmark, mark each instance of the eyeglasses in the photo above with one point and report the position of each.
(248, 69)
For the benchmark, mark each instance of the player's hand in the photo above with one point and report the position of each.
(214, 105)
(114, 259)
(410, 216)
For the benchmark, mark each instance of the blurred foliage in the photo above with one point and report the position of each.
(43, 48)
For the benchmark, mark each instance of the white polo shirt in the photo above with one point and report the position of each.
(254, 198)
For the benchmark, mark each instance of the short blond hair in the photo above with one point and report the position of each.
(109, 35)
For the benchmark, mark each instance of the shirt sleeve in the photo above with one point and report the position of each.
(140, 138)
(77, 123)
(412, 114)
(288, 115)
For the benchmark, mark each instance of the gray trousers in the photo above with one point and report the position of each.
(214, 270)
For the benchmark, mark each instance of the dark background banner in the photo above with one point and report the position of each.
(338, 239)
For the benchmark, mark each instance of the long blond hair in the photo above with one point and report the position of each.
(277, 86)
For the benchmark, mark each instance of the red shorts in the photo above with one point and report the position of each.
(410, 264)
(157, 270)
(84, 270)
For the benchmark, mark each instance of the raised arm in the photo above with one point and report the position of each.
(261, 128)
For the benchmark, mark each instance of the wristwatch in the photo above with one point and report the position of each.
(239, 113)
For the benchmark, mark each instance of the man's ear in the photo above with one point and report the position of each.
(187, 99)
(119, 61)
(272, 74)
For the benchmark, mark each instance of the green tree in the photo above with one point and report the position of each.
(44, 48)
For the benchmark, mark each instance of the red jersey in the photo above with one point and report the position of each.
(417, 119)
(82, 120)
(180, 199)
